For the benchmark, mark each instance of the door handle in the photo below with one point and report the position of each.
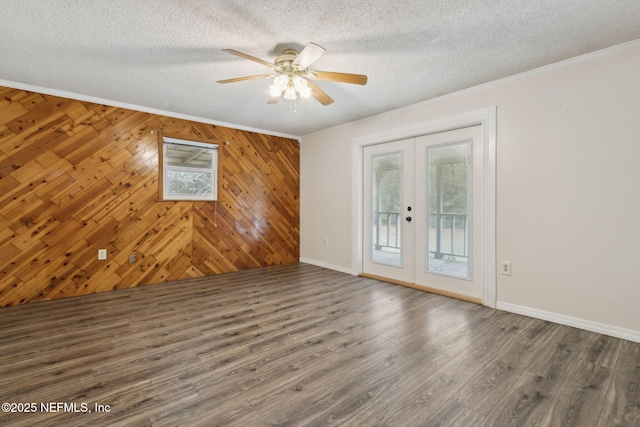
(408, 219)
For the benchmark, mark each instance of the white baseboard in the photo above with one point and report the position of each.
(601, 328)
(326, 265)
(588, 325)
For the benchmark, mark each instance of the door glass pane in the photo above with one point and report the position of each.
(387, 200)
(448, 209)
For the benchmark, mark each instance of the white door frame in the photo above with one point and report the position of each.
(485, 117)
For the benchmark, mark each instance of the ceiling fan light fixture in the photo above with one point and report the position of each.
(281, 82)
(305, 92)
(299, 83)
(290, 93)
(275, 91)
(291, 74)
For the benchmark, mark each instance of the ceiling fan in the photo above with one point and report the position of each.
(292, 76)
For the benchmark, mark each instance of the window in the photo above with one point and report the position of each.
(188, 170)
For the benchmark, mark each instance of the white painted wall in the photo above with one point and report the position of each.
(568, 188)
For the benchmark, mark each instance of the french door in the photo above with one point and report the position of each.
(388, 193)
(422, 201)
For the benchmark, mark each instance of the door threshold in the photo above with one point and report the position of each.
(424, 288)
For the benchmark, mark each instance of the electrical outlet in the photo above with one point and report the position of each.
(505, 268)
(325, 241)
(102, 254)
(132, 259)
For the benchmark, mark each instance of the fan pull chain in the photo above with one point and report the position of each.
(293, 110)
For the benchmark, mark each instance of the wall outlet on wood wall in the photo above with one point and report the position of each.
(67, 139)
(102, 254)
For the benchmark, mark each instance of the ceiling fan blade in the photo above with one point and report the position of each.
(273, 100)
(239, 79)
(249, 57)
(309, 54)
(356, 79)
(319, 94)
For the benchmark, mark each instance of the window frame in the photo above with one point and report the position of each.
(164, 168)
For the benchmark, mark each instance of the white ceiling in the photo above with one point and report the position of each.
(167, 54)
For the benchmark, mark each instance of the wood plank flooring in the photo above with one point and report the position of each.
(298, 345)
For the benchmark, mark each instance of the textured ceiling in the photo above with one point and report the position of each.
(167, 54)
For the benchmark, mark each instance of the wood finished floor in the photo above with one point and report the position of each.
(301, 345)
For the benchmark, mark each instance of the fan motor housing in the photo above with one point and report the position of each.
(284, 63)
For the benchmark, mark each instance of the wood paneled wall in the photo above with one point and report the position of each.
(76, 177)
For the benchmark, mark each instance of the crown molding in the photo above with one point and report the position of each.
(118, 104)
(624, 47)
